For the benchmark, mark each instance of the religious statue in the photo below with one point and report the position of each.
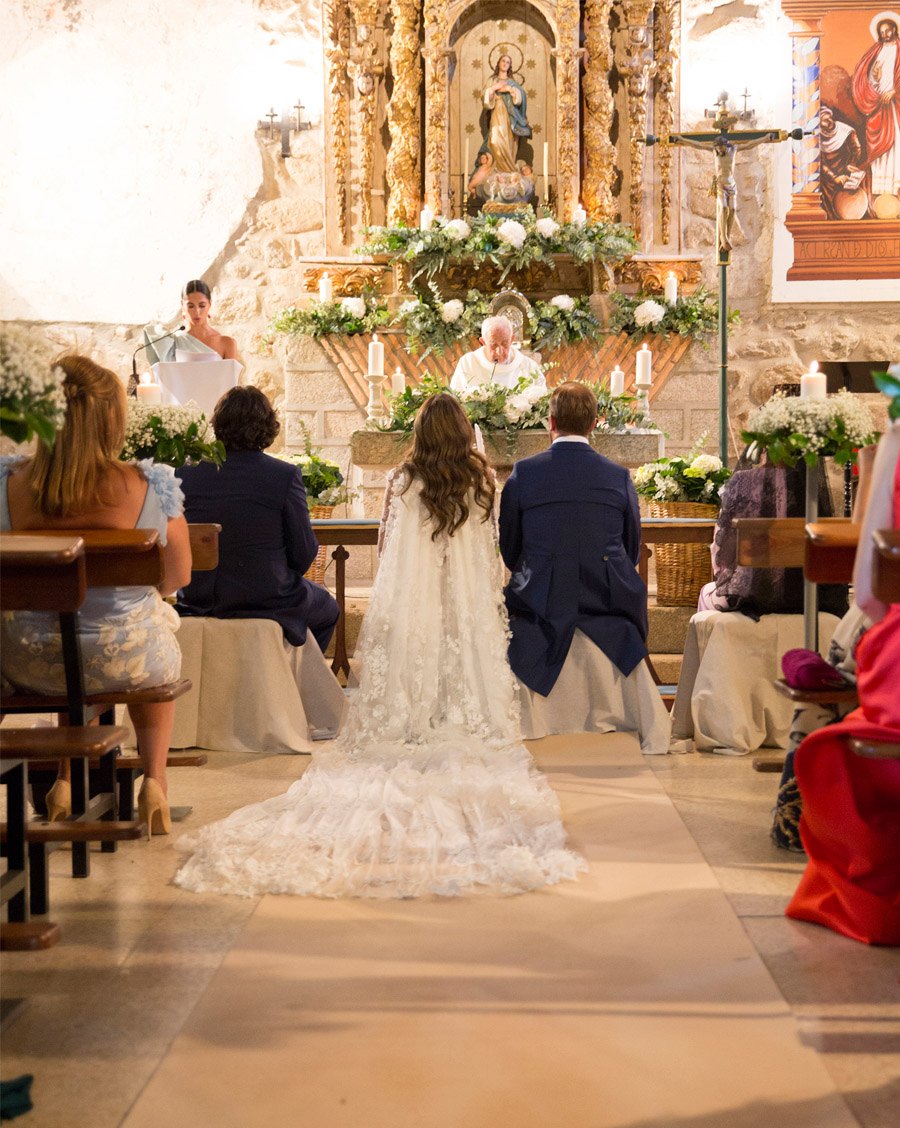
(876, 92)
(500, 176)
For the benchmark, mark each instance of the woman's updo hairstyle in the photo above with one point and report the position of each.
(244, 419)
(196, 286)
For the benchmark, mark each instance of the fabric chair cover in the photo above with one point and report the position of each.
(592, 695)
(253, 692)
(726, 699)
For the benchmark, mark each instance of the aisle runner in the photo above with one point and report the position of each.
(630, 998)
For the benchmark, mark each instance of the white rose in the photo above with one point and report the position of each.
(458, 229)
(649, 313)
(512, 232)
(451, 311)
(707, 463)
(356, 307)
(517, 406)
(408, 306)
(533, 392)
(563, 301)
(547, 227)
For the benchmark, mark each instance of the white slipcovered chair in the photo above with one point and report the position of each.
(592, 695)
(726, 699)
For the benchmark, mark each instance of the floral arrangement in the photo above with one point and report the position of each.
(509, 244)
(32, 401)
(347, 315)
(429, 321)
(789, 428)
(172, 435)
(509, 410)
(322, 478)
(693, 315)
(696, 477)
(563, 320)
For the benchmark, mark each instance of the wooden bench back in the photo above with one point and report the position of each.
(886, 565)
(42, 573)
(204, 547)
(782, 542)
(831, 551)
(113, 557)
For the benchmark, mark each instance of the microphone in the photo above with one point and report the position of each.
(132, 384)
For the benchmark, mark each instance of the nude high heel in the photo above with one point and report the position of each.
(153, 808)
(59, 801)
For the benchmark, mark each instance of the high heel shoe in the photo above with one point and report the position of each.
(59, 801)
(153, 808)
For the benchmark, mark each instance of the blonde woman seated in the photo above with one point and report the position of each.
(127, 634)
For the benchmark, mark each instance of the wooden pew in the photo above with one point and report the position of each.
(886, 565)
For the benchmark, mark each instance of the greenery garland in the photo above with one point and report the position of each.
(346, 316)
(693, 315)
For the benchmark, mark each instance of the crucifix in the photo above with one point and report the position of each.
(724, 143)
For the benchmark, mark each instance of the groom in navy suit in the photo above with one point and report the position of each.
(570, 534)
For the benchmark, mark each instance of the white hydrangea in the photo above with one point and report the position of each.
(644, 474)
(563, 301)
(356, 307)
(512, 232)
(533, 392)
(649, 313)
(452, 311)
(667, 489)
(517, 406)
(458, 229)
(547, 227)
(707, 463)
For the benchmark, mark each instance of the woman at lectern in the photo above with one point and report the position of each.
(198, 338)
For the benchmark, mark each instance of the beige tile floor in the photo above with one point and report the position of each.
(137, 955)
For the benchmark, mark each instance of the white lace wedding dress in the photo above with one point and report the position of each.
(428, 789)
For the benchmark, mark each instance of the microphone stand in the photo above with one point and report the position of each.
(133, 379)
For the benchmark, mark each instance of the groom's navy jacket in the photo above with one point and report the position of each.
(570, 533)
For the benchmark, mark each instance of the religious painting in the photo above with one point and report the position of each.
(844, 216)
(502, 108)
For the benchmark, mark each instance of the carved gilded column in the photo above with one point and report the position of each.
(435, 54)
(634, 60)
(599, 151)
(337, 54)
(568, 59)
(665, 51)
(402, 169)
(367, 71)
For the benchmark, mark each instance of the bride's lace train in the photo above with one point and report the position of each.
(451, 818)
(429, 789)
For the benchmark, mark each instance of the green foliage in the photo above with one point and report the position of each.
(172, 435)
(790, 428)
(551, 325)
(322, 478)
(889, 383)
(322, 318)
(693, 315)
(432, 324)
(696, 477)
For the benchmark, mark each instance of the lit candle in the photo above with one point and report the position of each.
(147, 391)
(617, 382)
(813, 384)
(426, 217)
(546, 172)
(466, 167)
(398, 382)
(579, 216)
(643, 366)
(376, 357)
(671, 288)
(326, 290)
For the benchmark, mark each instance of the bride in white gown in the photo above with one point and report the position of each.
(428, 789)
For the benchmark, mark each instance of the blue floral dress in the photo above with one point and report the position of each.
(127, 633)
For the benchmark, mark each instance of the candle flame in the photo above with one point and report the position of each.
(813, 367)
(145, 378)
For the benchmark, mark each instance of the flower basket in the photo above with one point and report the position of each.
(681, 569)
(316, 570)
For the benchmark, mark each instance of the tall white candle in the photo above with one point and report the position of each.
(326, 290)
(617, 382)
(579, 216)
(426, 217)
(148, 391)
(671, 288)
(466, 172)
(643, 366)
(398, 382)
(376, 357)
(813, 384)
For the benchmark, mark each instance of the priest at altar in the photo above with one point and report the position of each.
(498, 361)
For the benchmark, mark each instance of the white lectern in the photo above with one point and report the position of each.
(201, 382)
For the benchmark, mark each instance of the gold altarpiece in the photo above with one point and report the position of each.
(404, 86)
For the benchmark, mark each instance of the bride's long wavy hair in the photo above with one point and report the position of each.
(445, 461)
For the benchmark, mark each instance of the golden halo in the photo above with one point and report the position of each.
(501, 49)
(873, 26)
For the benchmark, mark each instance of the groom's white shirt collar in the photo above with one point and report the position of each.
(571, 439)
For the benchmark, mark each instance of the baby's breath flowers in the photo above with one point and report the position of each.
(32, 400)
(789, 428)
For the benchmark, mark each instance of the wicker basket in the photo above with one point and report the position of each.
(681, 569)
(316, 571)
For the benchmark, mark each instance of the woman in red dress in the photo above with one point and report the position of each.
(850, 825)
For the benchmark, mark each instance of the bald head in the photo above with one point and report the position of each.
(496, 336)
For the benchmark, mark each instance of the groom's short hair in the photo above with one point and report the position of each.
(574, 407)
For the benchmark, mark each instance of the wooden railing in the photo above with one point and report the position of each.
(654, 530)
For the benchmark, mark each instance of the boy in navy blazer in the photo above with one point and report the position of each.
(570, 535)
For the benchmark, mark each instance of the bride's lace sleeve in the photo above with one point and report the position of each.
(395, 483)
